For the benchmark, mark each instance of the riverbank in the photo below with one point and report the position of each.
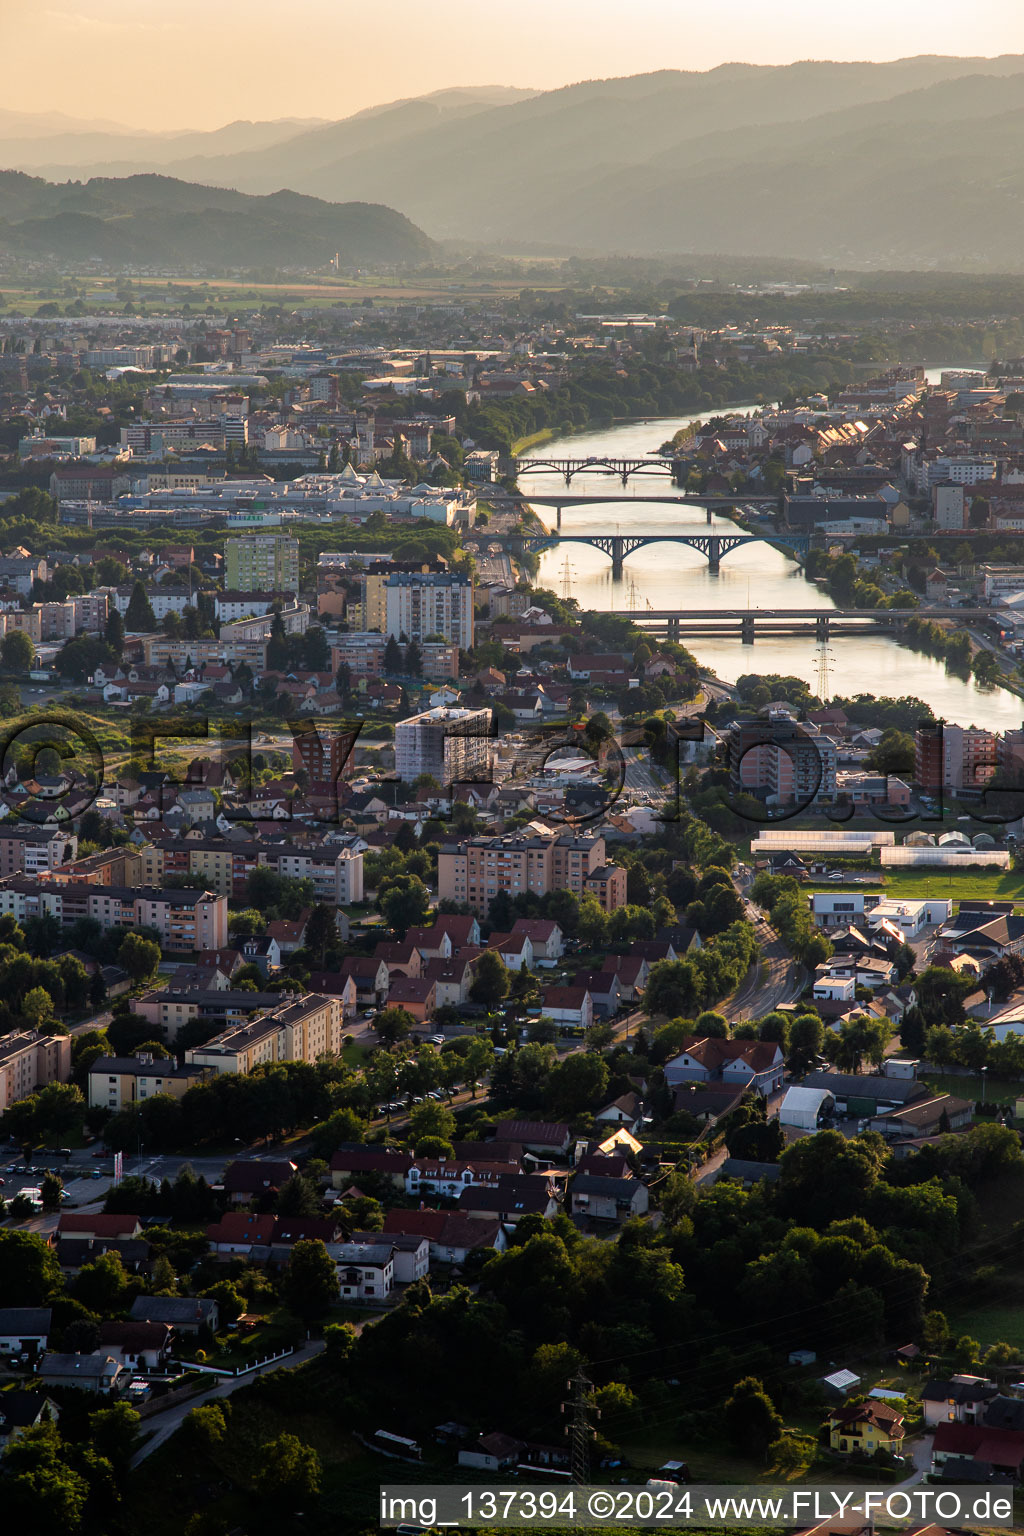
(521, 444)
(760, 575)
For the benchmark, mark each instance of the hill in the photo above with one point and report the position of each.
(162, 221)
(915, 163)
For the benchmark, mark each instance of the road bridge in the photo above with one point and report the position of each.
(713, 546)
(599, 465)
(821, 623)
(707, 503)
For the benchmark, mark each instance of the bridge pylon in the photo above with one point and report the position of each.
(747, 629)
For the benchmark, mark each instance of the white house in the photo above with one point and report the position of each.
(24, 1330)
(366, 1271)
(839, 989)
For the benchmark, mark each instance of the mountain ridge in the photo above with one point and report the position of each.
(160, 220)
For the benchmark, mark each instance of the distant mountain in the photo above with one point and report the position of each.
(32, 125)
(73, 150)
(202, 155)
(159, 220)
(913, 163)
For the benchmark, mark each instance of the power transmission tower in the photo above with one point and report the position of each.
(567, 579)
(825, 656)
(579, 1430)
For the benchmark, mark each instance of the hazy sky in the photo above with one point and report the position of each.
(178, 63)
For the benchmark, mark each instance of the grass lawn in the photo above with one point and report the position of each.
(968, 1085)
(959, 885)
(354, 1055)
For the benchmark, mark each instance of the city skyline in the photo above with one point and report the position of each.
(339, 67)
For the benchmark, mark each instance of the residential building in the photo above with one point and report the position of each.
(749, 1063)
(783, 760)
(30, 1060)
(419, 604)
(300, 1030)
(476, 870)
(452, 745)
(865, 1428)
(954, 756)
(24, 1330)
(366, 1270)
(116, 1081)
(261, 562)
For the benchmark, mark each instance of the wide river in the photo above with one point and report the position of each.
(754, 575)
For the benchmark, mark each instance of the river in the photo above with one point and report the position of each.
(754, 575)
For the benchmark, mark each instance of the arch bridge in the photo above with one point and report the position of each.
(598, 465)
(713, 546)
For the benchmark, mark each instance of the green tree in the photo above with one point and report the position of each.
(393, 659)
(138, 956)
(751, 1420)
(17, 652)
(579, 1082)
(321, 932)
(30, 1275)
(431, 1119)
(894, 753)
(806, 1038)
(310, 1282)
(404, 901)
(297, 1197)
(51, 1190)
(490, 982)
(289, 1473)
(114, 632)
(42, 1493)
(393, 1024)
(114, 1432)
(101, 1284)
(37, 1008)
(591, 922)
(140, 617)
(673, 988)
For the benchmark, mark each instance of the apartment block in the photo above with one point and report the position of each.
(116, 1081)
(954, 756)
(28, 1061)
(476, 870)
(781, 760)
(31, 850)
(453, 745)
(423, 603)
(186, 921)
(261, 562)
(303, 1030)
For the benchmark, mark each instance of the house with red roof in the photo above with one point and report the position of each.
(744, 1063)
(545, 936)
(997, 1452)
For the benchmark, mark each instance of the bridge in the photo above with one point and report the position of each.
(713, 546)
(624, 468)
(677, 624)
(709, 503)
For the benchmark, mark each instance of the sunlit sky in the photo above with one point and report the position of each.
(200, 63)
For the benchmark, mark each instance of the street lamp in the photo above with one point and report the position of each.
(983, 1083)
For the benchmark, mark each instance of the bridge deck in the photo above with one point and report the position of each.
(877, 614)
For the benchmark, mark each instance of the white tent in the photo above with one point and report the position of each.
(803, 1107)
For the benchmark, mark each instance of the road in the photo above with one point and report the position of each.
(773, 979)
(161, 1426)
